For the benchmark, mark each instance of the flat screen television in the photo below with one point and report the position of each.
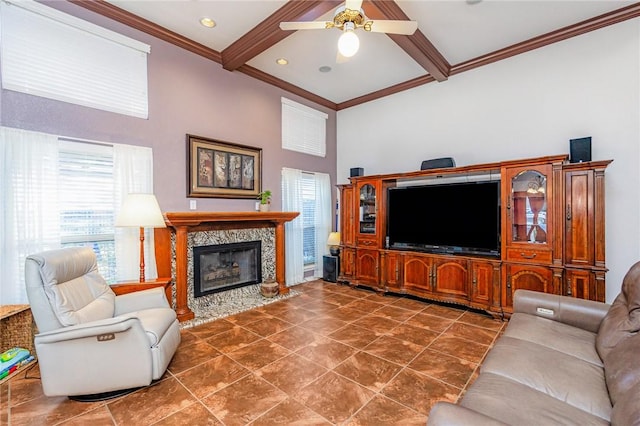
(458, 218)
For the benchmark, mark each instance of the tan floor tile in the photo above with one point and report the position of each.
(461, 348)
(470, 332)
(444, 311)
(258, 354)
(355, 336)
(189, 356)
(195, 414)
(480, 320)
(296, 315)
(49, 410)
(430, 322)
(210, 329)
(151, 404)
(368, 370)
(294, 338)
(395, 313)
(394, 350)
(326, 352)
(382, 411)
(410, 304)
(291, 373)
(233, 339)
(323, 324)
(378, 324)
(268, 326)
(419, 392)
(247, 317)
(187, 338)
(451, 370)
(339, 299)
(244, 401)
(334, 397)
(410, 333)
(365, 305)
(212, 376)
(290, 412)
(101, 416)
(347, 314)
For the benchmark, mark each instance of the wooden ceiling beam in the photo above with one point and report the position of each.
(268, 32)
(129, 19)
(416, 45)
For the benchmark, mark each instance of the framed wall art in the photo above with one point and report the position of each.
(220, 169)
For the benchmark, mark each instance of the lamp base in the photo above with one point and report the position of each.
(334, 250)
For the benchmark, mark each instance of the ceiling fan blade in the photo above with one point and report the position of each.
(308, 25)
(394, 27)
(353, 4)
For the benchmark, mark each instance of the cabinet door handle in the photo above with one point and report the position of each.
(475, 280)
(528, 256)
(568, 211)
(397, 271)
(509, 286)
(569, 292)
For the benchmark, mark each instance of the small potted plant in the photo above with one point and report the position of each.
(265, 200)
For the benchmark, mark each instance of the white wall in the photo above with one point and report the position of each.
(526, 106)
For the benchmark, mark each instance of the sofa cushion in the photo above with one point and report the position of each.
(626, 412)
(516, 404)
(563, 377)
(555, 335)
(155, 322)
(622, 370)
(623, 318)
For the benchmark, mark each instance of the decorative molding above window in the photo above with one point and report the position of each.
(304, 129)
(54, 55)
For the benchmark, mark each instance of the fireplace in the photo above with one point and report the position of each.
(222, 267)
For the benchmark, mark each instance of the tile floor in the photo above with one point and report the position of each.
(332, 355)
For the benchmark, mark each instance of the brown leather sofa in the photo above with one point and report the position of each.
(560, 361)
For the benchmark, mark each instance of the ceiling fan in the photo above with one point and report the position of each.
(347, 19)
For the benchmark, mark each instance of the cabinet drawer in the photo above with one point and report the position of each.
(361, 242)
(528, 255)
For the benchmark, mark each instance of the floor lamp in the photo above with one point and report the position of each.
(143, 211)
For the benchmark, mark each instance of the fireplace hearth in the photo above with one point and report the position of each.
(223, 267)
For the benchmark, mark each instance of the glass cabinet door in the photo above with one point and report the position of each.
(529, 196)
(367, 209)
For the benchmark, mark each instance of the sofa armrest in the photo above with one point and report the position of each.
(90, 329)
(140, 300)
(448, 414)
(584, 314)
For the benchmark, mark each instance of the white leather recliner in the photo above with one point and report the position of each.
(90, 341)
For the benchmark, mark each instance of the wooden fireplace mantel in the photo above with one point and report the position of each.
(181, 223)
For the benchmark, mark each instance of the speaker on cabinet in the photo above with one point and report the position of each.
(580, 150)
(438, 163)
(330, 266)
(356, 171)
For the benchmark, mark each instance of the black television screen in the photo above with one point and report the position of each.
(446, 218)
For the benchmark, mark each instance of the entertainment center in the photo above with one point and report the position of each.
(473, 235)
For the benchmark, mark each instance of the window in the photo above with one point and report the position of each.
(303, 129)
(306, 235)
(87, 200)
(48, 53)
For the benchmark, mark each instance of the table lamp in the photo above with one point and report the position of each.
(140, 210)
(334, 243)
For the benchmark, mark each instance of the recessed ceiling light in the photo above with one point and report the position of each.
(208, 22)
(324, 68)
(281, 61)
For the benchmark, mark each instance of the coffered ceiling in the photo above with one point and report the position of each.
(453, 36)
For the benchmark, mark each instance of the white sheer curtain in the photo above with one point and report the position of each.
(294, 230)
(322, 218)
(29, 212)
(133, 172)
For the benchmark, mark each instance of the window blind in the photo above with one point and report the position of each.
(51, 54)
(308, 189)
(303, 129)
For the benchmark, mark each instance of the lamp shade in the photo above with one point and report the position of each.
(334, 239)
(140, 210)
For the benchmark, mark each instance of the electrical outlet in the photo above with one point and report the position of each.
(192, 204)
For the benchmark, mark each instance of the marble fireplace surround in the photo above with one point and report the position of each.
(181, 224)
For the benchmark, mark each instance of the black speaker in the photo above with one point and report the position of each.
(356, 171)
(330, 266)
(438, 163)
(580, 150)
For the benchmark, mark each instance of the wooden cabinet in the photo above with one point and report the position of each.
(551, 232)
(347, 215)
(526, 277)
(347, 264)
(367, 267)
(392, 266)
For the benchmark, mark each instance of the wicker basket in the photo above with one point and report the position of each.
(16, 327)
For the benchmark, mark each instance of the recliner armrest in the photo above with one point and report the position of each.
(448, 414)
(584, 314)
(91, 329)
(140, 300)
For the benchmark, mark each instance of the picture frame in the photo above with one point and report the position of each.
(218, 169)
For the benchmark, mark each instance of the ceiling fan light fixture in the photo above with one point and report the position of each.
(348, 43)
(207, 22)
